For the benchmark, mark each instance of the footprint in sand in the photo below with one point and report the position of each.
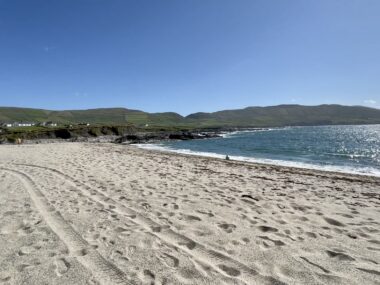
(267, 229)
(130, 250)
(229, 270)
(4, 277)
(274, 241)
(334, 222)
(310, 234)
(245, 240)
(191, 218)
(25, 250)
(148, 277)
(228, 228)
(81, 252)
(169, 260)
(339, 256)
(61, 266)
(175, 207)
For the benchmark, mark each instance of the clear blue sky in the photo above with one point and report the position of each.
(187, 56)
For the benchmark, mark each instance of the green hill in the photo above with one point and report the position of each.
(289, 115)
(104, 116)
(282, 115)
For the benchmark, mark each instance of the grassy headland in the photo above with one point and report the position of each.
(121, 121)
(273, 116)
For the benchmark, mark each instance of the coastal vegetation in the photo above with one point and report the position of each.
(139, 126)
(11, 135)
(273, 116)
(126, 133)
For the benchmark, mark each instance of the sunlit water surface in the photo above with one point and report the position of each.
(352, 149)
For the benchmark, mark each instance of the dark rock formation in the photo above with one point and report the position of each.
(62, 134)
(159, 136)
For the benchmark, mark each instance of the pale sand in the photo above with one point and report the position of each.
(76, 213)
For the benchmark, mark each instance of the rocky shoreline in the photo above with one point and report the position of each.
(151, 137)
(161, 136)
(113, 134)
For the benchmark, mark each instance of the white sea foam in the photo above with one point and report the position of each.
(332, 168)
(232, 134)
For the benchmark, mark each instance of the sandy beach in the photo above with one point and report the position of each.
(81, 213)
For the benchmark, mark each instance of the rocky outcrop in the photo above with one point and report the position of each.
(117, 134)
(88, 133)
(159, 136)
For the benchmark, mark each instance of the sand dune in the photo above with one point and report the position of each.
(76, 213)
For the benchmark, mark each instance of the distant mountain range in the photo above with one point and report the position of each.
(273, 116)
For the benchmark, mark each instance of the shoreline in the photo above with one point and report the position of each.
(153, 140)
(156, 148)
(153, 146)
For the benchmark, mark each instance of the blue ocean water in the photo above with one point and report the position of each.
(351, 149)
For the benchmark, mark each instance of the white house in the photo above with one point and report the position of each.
(17, 124)
(48, 124)
(24, 124)
(6, 125)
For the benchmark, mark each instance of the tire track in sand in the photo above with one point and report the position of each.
(104, 271)
(218, 261)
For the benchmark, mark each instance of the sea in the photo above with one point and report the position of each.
(348, 149)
